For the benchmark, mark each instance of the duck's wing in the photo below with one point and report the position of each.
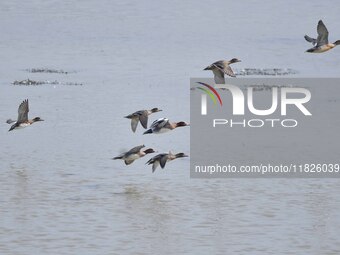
(150, 161)
(143, 118)
(225, 68)
(134, 150)
(134, 123)
(128, 161)
(218, 76)
(160, 123)
(155, 158)
(310, 39)
(154, 161)
(322, 34)
(163, 160)
(155, 165)
(135, 114)
(23, 111)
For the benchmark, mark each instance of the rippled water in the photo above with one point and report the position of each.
(61, 193)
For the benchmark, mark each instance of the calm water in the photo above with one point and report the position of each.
(61, 193)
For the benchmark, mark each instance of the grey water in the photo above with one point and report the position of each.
(60, 192)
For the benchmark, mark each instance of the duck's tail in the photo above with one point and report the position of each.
(310, 50)
(149, 131)
(119, 157)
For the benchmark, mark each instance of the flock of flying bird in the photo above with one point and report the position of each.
(320, 44)
(219, 69)
(159, 126)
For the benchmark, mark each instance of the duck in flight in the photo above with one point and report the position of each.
(163, 125)
(162, 158)
(219, 68)
(142, 117)
(321, 43)
(23, 120)
(133, 154)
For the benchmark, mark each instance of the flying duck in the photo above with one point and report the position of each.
(141, 116)
(219, 68)
(321, 44)
(163, 125)
(133, 154)
(23, 120)
(162, 158)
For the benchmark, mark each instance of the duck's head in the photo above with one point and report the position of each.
(181, 155)
(337, 42)
(37, 119)
(155, 110)
(182, 124)
(234, 60)
(149, 151)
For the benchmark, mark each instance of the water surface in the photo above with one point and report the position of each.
(61, 193)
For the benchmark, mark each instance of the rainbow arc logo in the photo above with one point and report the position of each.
(211, 92)
(239, 99)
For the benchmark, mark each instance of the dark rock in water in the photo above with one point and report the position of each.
(47, 70)
(29, 82)
(265, 71)
(72, 84)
